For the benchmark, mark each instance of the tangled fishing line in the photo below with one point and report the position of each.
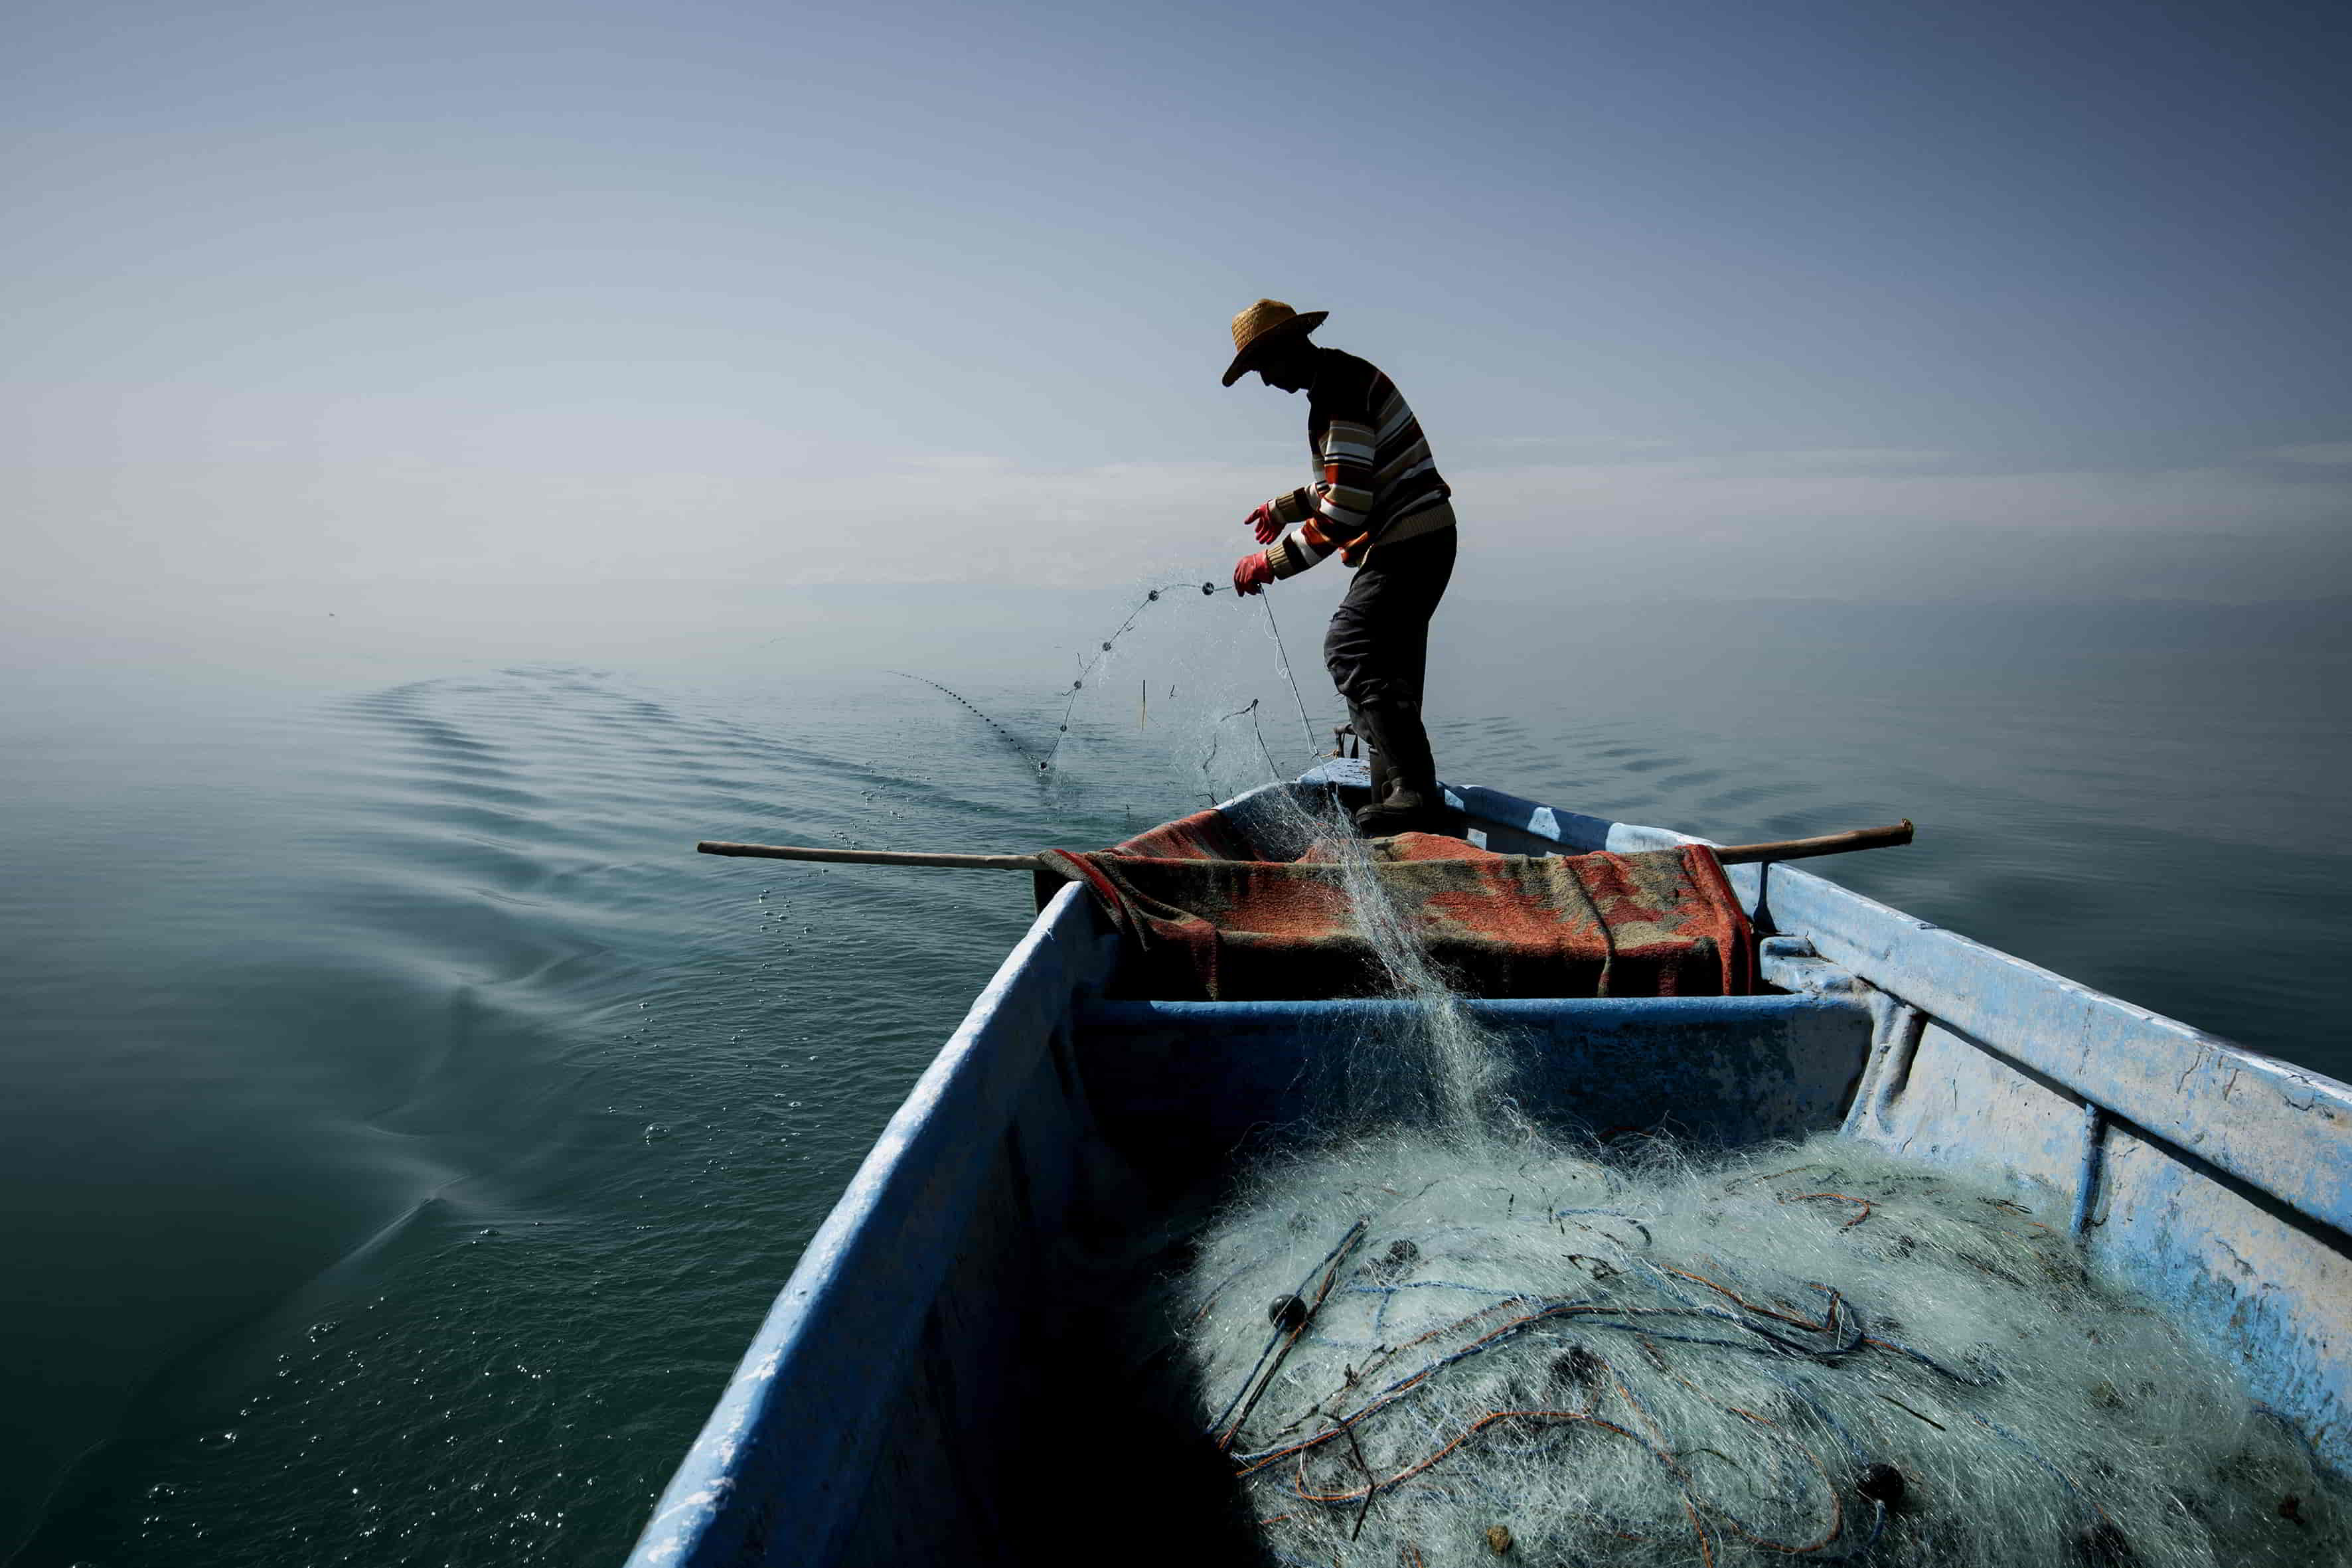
(1217, 731)
(1824, 1352)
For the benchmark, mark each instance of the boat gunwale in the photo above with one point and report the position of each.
(2020, 1009)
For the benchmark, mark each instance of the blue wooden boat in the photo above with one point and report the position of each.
(879, 1416)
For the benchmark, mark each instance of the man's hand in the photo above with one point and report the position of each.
(1252, 573)
(1261, 523)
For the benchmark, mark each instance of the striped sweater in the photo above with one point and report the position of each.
(1374, 479)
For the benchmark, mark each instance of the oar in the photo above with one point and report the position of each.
(1730, 854)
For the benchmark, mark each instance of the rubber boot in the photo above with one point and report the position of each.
(1384, 777)
(1409, 802)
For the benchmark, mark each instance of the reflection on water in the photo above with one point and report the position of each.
(401, 1133)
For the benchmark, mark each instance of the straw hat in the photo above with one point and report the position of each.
(1262, 323)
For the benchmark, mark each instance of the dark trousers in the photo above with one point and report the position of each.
(1378, 653)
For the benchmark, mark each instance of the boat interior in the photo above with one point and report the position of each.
(950, 1374)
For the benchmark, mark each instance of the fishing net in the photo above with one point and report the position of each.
(1445, 1335)
(1419, 1347)
(1440, 1334)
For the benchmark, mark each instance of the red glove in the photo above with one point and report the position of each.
(1252, 573)
(1262, 523)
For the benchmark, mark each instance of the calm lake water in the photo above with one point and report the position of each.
(402, 1132)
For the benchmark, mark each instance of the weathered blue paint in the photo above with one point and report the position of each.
(782, 1467)
(1983, 1058)
(868, 1421)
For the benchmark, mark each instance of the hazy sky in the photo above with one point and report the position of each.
(1885, 301)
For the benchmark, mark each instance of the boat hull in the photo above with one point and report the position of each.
(892, 1406)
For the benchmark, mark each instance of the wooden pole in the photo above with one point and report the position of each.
(872, 857)
(1827, 844)
(1729, 854)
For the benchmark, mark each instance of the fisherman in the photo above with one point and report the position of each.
(1379, 501)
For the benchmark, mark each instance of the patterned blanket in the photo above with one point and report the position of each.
(1207, 922)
